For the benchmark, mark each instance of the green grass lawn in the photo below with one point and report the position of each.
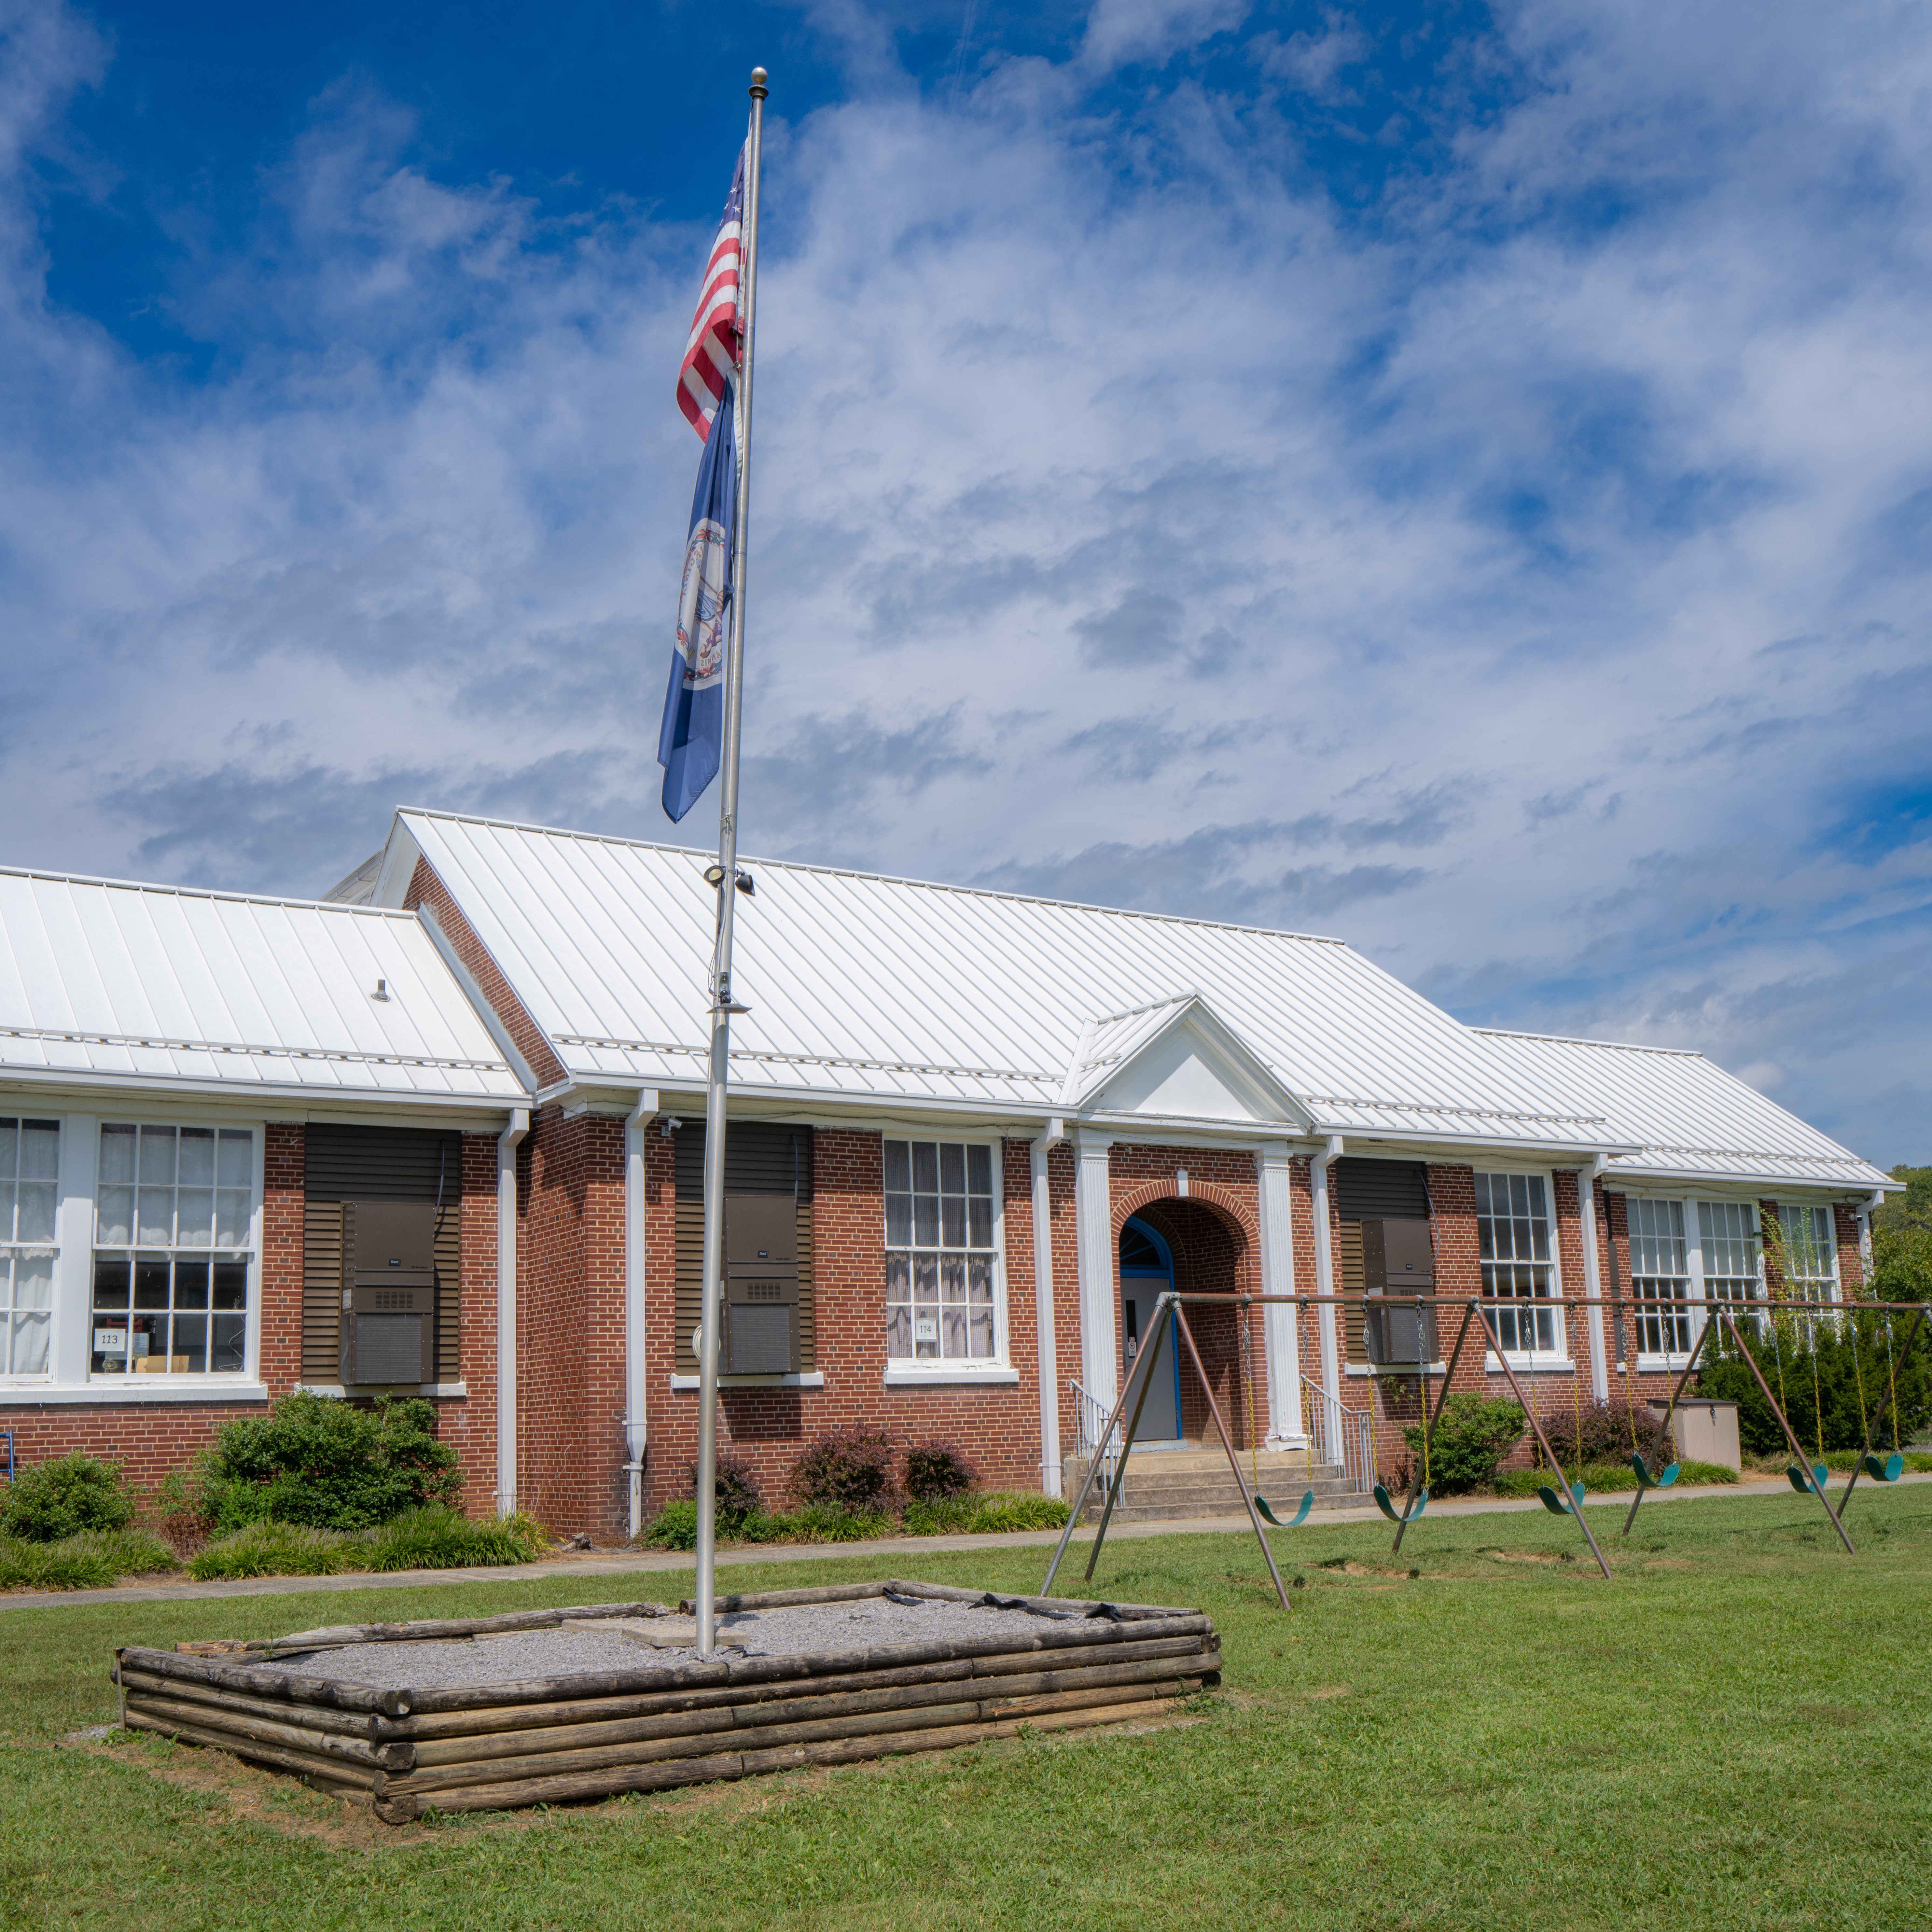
(1737, 1731)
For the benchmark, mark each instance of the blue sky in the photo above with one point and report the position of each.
(1455, 477)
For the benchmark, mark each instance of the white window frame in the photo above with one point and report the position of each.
(1833, 1283)
(13, 1251)
(1698, 1301)
(900, 1373)
(1558, 1360)
(70, 1381)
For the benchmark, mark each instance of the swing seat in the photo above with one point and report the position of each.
(1556, 1505)
(1646, 1480)
(1388, 1509)
(1294, 1522)
(1809, 1482)
(1889, 1470)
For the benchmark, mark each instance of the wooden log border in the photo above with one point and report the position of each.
(549, 1740)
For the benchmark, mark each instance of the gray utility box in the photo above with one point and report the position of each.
(1396, 1257)
(1703, 1431)
(388, 1292)
(761, 1311)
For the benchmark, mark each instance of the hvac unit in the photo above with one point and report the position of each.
(761, 1311)
(388, 1292)
(1396, 1258)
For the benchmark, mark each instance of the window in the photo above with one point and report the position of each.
(1810, 1261)
(1729, 1229)
(29, 1175)
(1659, 1277)
(940, 1264)
(1513, 1240)
(173, 1238)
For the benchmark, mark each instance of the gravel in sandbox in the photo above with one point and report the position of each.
(561, 1652)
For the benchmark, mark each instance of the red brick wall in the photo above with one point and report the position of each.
(426, 889)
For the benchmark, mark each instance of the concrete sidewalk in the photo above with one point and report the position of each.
(654, 1562)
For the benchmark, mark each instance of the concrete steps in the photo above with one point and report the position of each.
(1171, 1485)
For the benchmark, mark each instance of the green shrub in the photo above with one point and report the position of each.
(821, 1523)
(944, 1515)
(328, 1465)
(1474, 1433)
(1605, 1429)
(56, 1499)
(1002, 1511)
(936, 1470)
(91, 1559)
(674, 1527)
(1694, 1473)
(850, 1469)
(736, 1495)
(1850, 1352)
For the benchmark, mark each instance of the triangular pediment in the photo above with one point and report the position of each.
(1174, 1059)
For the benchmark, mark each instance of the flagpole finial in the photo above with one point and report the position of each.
(759, 90)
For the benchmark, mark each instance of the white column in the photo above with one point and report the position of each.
(1093, 1227)
(1281, 1344)
(1044, 1341)
(1324, 1267)
(1593, 1318)
(507, 1144)
(637, 1382)
(70, 1351)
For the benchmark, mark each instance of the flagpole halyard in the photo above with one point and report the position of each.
(722, 1004)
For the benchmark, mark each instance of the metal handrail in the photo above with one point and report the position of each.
(1341, 1438)
(1090, 1426)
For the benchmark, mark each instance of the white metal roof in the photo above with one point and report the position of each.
(102, 981)
(1688, 1116)
(893, 989)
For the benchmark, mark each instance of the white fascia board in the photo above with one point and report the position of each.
(247, 1096)
(499, 1034)
(1668, 1181)
(1458, 1150)
(400, 854)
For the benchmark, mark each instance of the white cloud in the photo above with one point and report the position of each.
(1528, 581)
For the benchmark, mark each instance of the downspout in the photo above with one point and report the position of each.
(1050, 1480)
(1325, 1266)
(507, 1144)
(1873, 1202)
(1593, 1316)
(636, 1381)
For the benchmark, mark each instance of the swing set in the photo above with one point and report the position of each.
(1561, 1496)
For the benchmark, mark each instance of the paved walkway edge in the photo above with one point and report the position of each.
(652, 1562)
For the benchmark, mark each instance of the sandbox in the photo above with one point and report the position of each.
(414, 1717)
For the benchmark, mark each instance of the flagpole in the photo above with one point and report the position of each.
(722, 1004)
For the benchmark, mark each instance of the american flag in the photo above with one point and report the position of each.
(711, 354)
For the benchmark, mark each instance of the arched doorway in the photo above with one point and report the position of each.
(1147, 1271)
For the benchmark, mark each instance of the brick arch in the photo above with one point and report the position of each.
(1224, 1203)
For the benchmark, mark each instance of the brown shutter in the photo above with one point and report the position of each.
(377, 1164)
(759, 1159)
(1348, 1260)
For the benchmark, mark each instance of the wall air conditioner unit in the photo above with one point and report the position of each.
(761, 1310)
(1396, 1258)
(388, 1292)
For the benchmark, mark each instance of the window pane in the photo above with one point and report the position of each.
(9, 1150)
(980, 1222)
(951, 1278)
(197, 1157)
(110, 1282)
(953, 1220)
(190, 1344)
(231, 1224)
(926, 1167)
(228, 1344)
(117, 1153)
(231, 1284)
(898, 1166)
(109, 1354)
(925, 1219)
(147, 1337)
(898, 1279)
(33, 1281)
(30, 1345)
(37, 1211)
(238, 1158)
(898, 1219)
(190, 1284)
(151, 1282)
(953, 1323)
(953, 1167)
(39, 1150)
(157, 1156)
(194, 1217)
(980, 1170)
(898, 1332)
(925, 1308)
(114, 1223)
(154, 1218)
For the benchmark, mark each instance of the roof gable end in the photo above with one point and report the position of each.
(1174, 1059)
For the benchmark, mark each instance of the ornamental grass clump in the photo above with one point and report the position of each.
(90, 1559)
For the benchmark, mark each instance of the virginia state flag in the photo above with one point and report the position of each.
(690, 741)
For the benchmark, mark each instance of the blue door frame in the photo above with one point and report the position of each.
(1165, 1274)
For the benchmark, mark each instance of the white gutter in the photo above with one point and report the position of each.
(1325, 1266)
(507, 1144)
(637, 1380)
(1593, 1318)
(1050, 1480)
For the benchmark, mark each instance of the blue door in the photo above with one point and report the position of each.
(1147, 1272)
